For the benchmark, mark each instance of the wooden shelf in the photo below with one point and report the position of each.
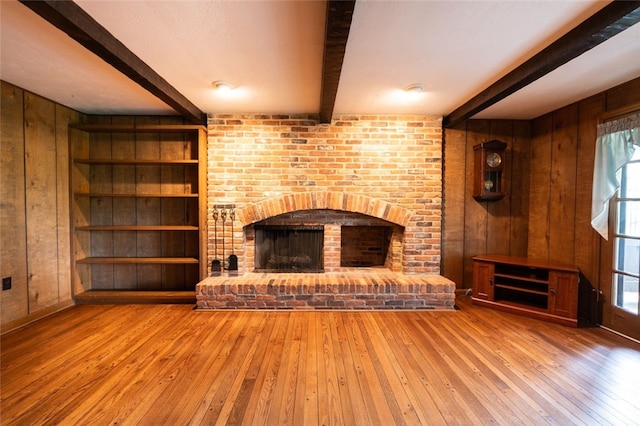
(136, 195)
(521, 278)
(137, 228)
(108, 162)
(138, 128)
(522, 289)
(138, 260)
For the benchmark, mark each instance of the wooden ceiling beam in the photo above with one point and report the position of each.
(337, 26)
(612, 19)
(79, 25)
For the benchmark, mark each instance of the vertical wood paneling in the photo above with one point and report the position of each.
(124, 208)
(475, 213)
(540, 188)
(586, 253)
(148, 210)
(172, 179)
(563, 185)
(64, 116)
(471, 227)
(519, 181)
(81, 209)
(454, 202)
(41, 201)
(586, 239)
(550, 176)
(13, 226)
(623, 95)
(101, 207)
(551, 168)
(498, 213)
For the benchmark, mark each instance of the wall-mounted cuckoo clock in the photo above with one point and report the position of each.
(488, 175)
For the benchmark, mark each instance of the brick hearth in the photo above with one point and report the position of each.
(365, 288)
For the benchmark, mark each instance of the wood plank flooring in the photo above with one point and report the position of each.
(172, 365)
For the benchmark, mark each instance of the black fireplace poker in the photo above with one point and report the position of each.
(223, 211)
(216, 267)
(232, 266)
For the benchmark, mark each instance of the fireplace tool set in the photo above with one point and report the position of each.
(229, 264)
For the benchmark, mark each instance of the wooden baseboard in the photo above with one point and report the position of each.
(12, 325)
(463, 291)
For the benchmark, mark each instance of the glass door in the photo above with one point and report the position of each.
(623, 295)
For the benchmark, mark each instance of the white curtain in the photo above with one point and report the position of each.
(616, 143)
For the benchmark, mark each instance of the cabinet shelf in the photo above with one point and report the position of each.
(522, 289)
(521, 278)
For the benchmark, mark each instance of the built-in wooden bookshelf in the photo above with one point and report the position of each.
(138, 207)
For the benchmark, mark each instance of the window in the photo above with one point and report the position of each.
(626, 271)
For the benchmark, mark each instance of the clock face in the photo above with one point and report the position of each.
(494, 159)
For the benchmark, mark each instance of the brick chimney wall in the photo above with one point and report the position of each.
(385, 167)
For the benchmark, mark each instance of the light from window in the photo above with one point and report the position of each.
(626, 272)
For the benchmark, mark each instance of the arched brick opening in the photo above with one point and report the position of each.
(324, 200)
(405, 238)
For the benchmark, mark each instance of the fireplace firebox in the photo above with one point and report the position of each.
(289, 248)
(364, 246)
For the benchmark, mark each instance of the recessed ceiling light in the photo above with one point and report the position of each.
(414, 88)
(222, 86)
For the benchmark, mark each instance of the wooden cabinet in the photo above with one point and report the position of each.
(483, 280)
(539, 289)
(138, 207)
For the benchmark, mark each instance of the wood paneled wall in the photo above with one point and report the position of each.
(546, 214)
(560, 225)
(471, 227)
(34, 219)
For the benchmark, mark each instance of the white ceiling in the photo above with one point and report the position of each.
(272, 52)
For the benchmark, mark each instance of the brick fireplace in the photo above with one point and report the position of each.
(335, 212)
(382, 172)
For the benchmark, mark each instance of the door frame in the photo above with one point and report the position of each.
(613, 317)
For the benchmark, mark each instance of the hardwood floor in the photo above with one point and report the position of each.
(171, 365)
